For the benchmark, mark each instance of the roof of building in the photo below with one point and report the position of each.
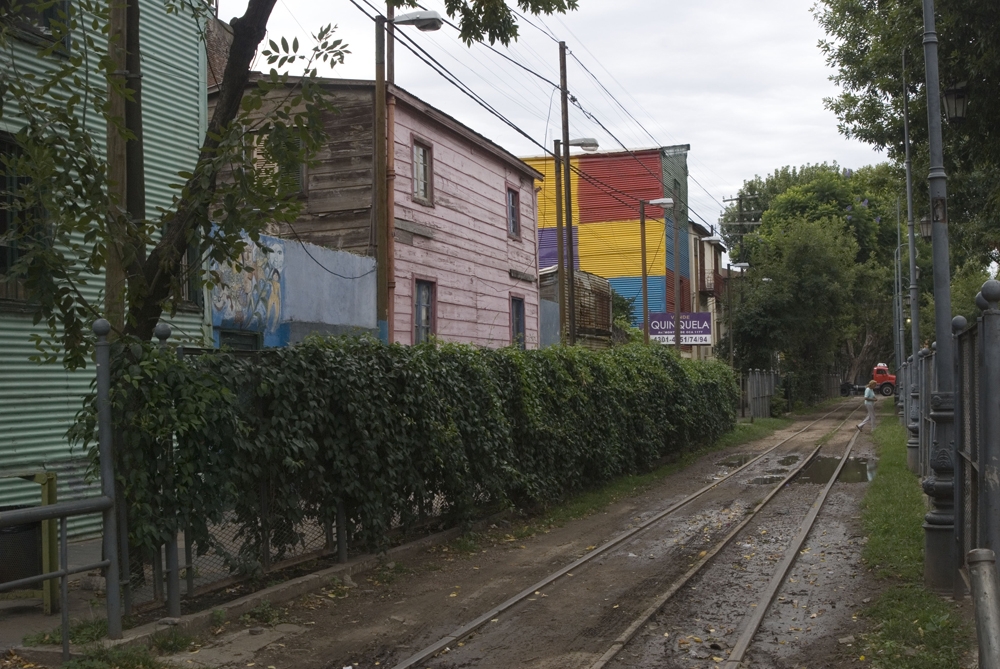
(428, 110)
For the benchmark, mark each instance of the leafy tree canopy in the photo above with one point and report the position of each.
(71, 222)
(866, 42)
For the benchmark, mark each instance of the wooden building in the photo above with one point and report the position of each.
(463, 245)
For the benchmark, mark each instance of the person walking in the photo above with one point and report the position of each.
(869, 405)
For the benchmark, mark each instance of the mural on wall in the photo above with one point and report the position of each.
(251, 299)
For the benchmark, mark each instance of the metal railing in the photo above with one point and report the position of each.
(103, 503)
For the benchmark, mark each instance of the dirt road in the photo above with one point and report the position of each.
(400, 609)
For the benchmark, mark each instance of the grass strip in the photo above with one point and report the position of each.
(911, 627)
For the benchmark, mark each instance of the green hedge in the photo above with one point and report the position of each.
(389, 429)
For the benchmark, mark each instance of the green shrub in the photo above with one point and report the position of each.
(386, 430)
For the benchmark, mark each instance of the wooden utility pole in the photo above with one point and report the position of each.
(645, 279)
(560, 243)
(381, 181)
(677, 275)
(570, 262)
(114, 275)
(729, 313)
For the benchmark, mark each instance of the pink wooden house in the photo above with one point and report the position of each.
(463, 244)
(466, 262)
(463, 233)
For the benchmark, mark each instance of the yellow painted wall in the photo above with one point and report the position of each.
(614, 249)
(546, 196)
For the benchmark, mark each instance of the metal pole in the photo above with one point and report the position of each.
(162, 332)
(939, 529)
(341, 533)
(381, 172)
(986, 596)
(677, 277)
(645, 277)
(729, 300)
(570, 264)
(560, 244)
(64, 587)
(110, 537)
(914, 421)
(989, 398)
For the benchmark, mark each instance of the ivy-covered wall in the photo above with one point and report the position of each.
(387, 429)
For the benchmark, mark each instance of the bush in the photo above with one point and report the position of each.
(283, 437)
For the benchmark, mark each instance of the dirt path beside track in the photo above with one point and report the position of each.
(399, 609)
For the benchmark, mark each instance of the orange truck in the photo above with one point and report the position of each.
(886, 381)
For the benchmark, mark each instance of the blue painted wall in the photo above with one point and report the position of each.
(294, 290)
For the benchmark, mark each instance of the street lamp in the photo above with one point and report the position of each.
(567, 314)
(659, 202)
(672, 202)
(939, 523)
(925, 228)
(425, 21)
(955, 103)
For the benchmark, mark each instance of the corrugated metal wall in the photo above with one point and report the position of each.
(606, 211)
(38, 402)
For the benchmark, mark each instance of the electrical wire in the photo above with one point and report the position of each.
(429, 60)
(305, 247)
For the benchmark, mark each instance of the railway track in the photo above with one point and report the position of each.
(616, 588)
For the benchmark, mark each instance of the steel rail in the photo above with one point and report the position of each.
(645, 616)
(781, 571)
(471, 626)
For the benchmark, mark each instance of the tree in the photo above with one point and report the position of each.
(818, 293)
(66, 189)
(866, 46)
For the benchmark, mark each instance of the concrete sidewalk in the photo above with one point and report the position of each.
(19, 617)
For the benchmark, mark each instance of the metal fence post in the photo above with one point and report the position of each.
(958, 325)
(989, 453)
(162, 332)
(913, 414)
(341, 532)
(985, 596)
(110, 540)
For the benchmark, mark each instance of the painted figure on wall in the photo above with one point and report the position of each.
(250, 299)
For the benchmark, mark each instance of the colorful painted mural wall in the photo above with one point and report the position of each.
(606, 231)
(292, 290)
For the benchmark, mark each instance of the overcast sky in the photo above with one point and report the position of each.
(741, 81)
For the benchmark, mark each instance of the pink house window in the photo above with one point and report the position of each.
(513, 213)
(423, 173)
(423, 305)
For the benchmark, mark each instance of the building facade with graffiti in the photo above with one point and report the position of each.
(282, 290)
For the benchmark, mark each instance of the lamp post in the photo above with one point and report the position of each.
(914, 421)
(742, 267)
(425, 21)
(659, 202)
(939, 523)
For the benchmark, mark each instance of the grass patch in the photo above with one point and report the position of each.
(387, 572)
(911, 628)
(81, 632)
(170, 641)
(115, 658)
(263, 614)
(893, 510)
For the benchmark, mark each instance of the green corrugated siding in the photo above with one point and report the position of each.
(38, 402)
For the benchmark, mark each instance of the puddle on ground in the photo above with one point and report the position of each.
(777, 471)
(737, 460)
(765, 480)
(856, 470)
(788, 460)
